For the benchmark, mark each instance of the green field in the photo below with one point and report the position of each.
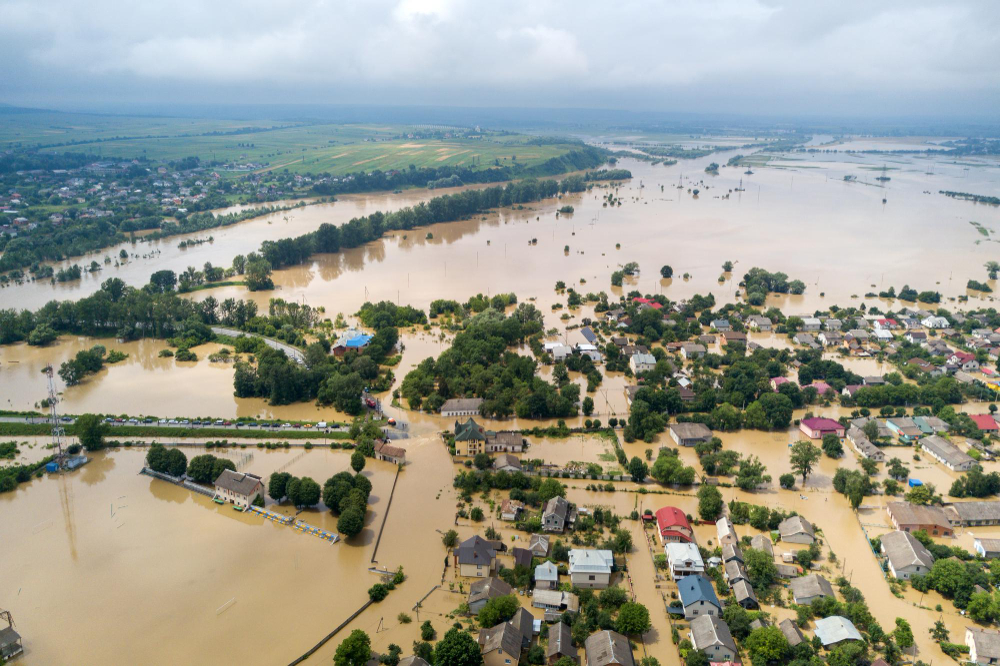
(297, 147)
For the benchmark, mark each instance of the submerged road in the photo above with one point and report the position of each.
(292, 352)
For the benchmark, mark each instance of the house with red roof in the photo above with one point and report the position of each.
(985, 422)
(777, 382)
(674, 526)
(815, 428)
(822, 388)
(645, 301)
(886, 324)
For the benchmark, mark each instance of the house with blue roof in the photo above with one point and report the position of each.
(698, 597)
(358, 342)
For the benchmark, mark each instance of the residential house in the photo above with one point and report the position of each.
(710, 635)
(947, 453)
(806, 340)
(546, 576)
(745, 596)
(591, 568)
(470, 438)
(931, 425)
(673, 525)
(505, 462)
(483, 590)
(725, 531)
(863, 445)
(689, 434)
(904, 428)
(835, 629)
(791, 631)
(555, 517)
(796, 529)
(734, 572)
(985, 422)
(830, 338)
(811, 324)
(476, 557)
(413, 660)
(731, 553)
(762, 542)
(787, 571)
(683, 559)
(912, 517)
(510, 510)
(987, 548)
(776, 382)
(815, 428)
(977, 513)
(608, 648)
(461, 407)
(505, 441)
(915, 337)
(589, 335)
(522, 557)
(500, 645)
(984, 645)
(590, 351)
(935, 322)
(558, 350)
(560, 644)
(640, 363)
(698, 597)
(734, 337)
(389, 453)
(905, 555)
(554, 603)
(807, 588)
(538, 544)
(239, 488)
(720, 325)
(692, 350)
(758, 323)
(883, 429)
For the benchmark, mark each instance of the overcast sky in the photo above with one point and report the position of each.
(736, 56)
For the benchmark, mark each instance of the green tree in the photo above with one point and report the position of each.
(760, 568)
(638, 469)
(666, 272)
(357, 461)
(257, 275)
(176, 462)
(787, 481)
(427, 632)
(766, 645)
(304, 492)
(497, 610)
(803, 457)
(982, 608)
(709, 502)
(378, 592)
(871, 430)
(457, 648)
(903, 633)
(351, 522)
(696, 658)
(751, 473)
(482, 461)
(450, 539)
(355, 650)
(633, 619)
(832, 446)
(277, 484)
(588, 406)
(90, 430)
(612, 597)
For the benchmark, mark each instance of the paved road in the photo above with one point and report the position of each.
(173, 423)
(293, 352)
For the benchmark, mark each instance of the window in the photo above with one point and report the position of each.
(591, 578)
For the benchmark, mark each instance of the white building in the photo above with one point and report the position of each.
(591, 568)
(683, 559)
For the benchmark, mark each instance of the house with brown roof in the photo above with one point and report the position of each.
(912, 517)
(560, 644)
(389, 453)
(239, 488)
(476, 557)
(483, 590)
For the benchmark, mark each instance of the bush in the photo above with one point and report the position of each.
(787, 481)
(427, 631)
(378, 592)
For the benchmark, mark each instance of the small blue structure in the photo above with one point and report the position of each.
(915, 482)
(52, 467)
(358, 342)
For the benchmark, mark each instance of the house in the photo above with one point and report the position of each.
(835, 629)
(483, 590)
(978, 513)
(984, 645)
(698, 597)
(510, 510)
(413, 660)
(590, 351)
(591, 568)
(734, 571)
(476, 558)
(807, 588)
(833, 324)
(885, 324)
(905, 555)
(758, 323)
(538, 544)
(762, 542)
(505, 441)
(883, 429)
(522, 557)
(711, 635)
(904, 428)
(985, 422)
(560, 644)
(470, 438)
(692, 350)
(500, 645)
(745, 596)
(640, 363)
(734, 337)
(830, 338)
(787, 570)
(689, 434)
(720, 325)
(791, 632)
(554, 603)
(915, 337)
(546, 576)
(806, 340)
(239, 488)
(863, 445)
(673, 525)
(731, 553)
(725, 531)
(558, 350)
(606, 648)
(815, 428)
(934, 322)
(987, 548)
(389, 453)
(811, 324)
(683, 559)
(796, 529)
(589, 335)
(556, 514)
(947, 453)
(461, 407)
(776, 382)
(911, 517)
(505, 462)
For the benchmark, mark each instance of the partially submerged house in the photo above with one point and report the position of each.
(673, 525)
(807, 588)
(711, 635)
(689, 434)
(483, 590)
(698, 597)
(796, 529)
(476, 557)
(239, 488)
(906, 556)
(591, 568)
(607, 648)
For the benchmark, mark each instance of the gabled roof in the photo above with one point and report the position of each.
(470, 431)
(795, 525)
(903, 550)
(489, 588)
(835, 628)
(560, 642)
(504, 637)
(791, 632)
(240, 483)
(558, 506)
(810, 586)
(590, 561)
(669, 518)
(547, 571)
(987, 642)
(708, 630)
(697, 588)
(475, 550)
(608, 647)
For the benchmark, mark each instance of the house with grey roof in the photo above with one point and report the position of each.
(689, 434)
(725, 531)
(461, 407)
(732, 553)
(906, 556)
(762, 542)
(538, 544)
(605, 648)
(476, 557)
(796, 529)
(977, 513)
(640, 363)
(591, 568)
(791, 631)
(546, 576)
(810, 587)
(560, 644)
(987, 548)
(745, 596)
(984, 645)
(835, 629)
(556, 514)
(863, 445)
(711, 635)
(483, 590)
(698, 597)
(947, 453)
(239, 488)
